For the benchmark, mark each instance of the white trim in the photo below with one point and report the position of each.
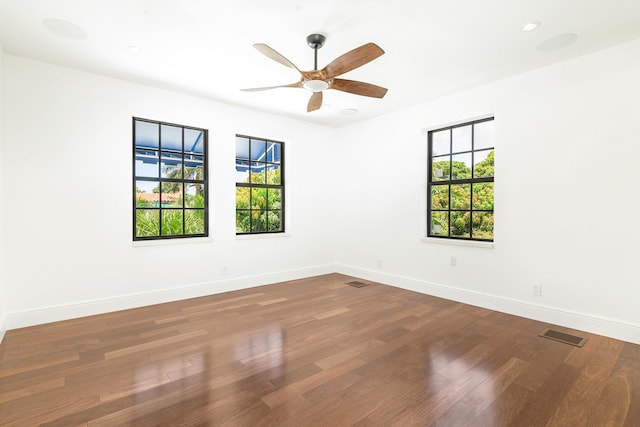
(168, 242)
(614, 328)
(261, 236)
(3, 326)
(457, 242)
(21, 319)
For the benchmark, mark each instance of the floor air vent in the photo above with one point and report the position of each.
(562, 337)
(357, 284)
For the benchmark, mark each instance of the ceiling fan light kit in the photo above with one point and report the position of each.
(315, 85)
(318, 81)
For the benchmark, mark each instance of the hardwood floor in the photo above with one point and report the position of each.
(314, 352)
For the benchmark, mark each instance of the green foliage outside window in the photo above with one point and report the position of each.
(258, 209)
(170, 180)
(462, 196)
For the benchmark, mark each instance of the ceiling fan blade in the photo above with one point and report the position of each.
(256, 89)
(359, 88)
(271, 53)
(315, 102)
(353, 59)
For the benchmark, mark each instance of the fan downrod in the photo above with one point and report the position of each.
(315, 42)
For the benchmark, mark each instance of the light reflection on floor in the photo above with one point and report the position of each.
(262, 350)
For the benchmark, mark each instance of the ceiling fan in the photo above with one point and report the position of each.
(317, 80)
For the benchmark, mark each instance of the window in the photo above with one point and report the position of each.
(170, 181)
(460, 184)
(259, 186)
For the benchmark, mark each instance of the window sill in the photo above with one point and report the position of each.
(261, 236)
(169, 242)
(485, 245)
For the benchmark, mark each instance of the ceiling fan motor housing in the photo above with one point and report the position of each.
(316, 41)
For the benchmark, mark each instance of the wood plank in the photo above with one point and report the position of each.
(314, 352)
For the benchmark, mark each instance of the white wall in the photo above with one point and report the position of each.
(564, 133)
(68, 200)
(3, 326)
(567, 205)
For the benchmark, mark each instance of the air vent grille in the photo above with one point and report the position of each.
(563, 337)
(357, 284)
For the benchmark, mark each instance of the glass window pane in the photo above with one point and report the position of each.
(461, 196)
(274, 152)
(274, 220)
(147, 134)
(258, 162)
(440, 223)
(171, 195)
(258, 150)
(461, 166)
(274, 198)
(147, 194)
(461, 224)
(441, 143)
(259, 220)
(465, 155)
(242, 171)
(147, 222)
(193, 141)
(483, 196)
(194, 167)
(171, 138)
(461, 139)
(482, 225)
(440, 197)
(147, 164)
(166, 204)
(258, 171)
(258, 198)
(441, 167)
(194, 221)
(243, 221)
(171, 222)
(194, 196)
(170, 165)
(484, 135)
(483, 163)
(273, 174)
(243, 198)
(242, 147)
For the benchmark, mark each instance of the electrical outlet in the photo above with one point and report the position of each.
(536, 289)
(379, 263)
(453, 261)
(225, 269)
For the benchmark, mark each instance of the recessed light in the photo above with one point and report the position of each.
(348, 111)
(530, 26)
(64, 29)
(557, 42)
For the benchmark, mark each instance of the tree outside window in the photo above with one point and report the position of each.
(170, 180)
(460, 183)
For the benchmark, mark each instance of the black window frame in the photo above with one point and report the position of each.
(449, 182)
(159, 179)
(251, 185)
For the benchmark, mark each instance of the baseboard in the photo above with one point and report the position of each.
(122, 302)
(614, 328)
(3, 326)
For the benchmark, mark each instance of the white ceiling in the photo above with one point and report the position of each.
(204, 47)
